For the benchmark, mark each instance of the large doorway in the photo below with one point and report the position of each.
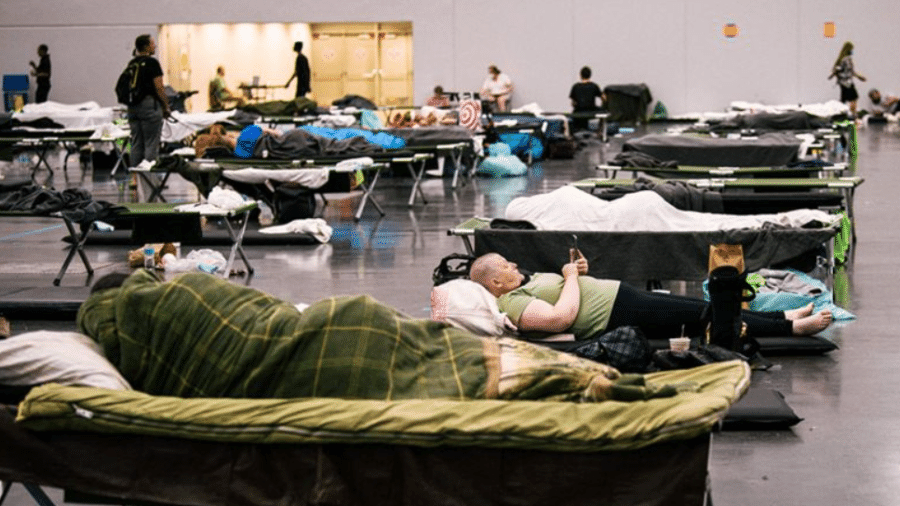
(371, 60)
(259, 54)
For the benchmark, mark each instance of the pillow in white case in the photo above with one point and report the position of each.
(67, 358)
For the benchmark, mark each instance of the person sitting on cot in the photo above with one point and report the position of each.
(220, 97)
(439, 99)
(586, 307)
(198, 335)
(497, 89)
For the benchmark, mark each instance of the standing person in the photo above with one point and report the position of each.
(41, 72)
(844, 72)
(584, 95)
(146, 117)
(497, 88)
(301, 72)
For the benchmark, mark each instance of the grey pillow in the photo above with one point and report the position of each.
(68, 358)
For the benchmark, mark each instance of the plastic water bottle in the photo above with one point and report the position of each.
(149, 262)
(207, 268)
(21, 165)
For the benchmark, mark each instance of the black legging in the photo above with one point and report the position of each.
(661, 315)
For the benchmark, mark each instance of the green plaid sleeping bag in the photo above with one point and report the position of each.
(202, 336)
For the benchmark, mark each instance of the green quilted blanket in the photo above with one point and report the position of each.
(202, 336)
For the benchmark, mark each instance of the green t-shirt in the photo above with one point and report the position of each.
(218, 86)
(597, 298)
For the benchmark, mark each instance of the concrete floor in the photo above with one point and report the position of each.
(844, 452)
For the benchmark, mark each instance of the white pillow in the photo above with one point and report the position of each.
(467, 305)
(68, 358)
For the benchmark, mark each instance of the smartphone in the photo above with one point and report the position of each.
(574, 253)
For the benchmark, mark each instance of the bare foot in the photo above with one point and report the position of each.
(800, 312)
(811, 324)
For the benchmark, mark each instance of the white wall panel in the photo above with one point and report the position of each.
(758, 65)
(526, 39)
(85, 61)
(627, 42)
(676, 47)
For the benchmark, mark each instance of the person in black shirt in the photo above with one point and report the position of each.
(584, 95)
(301, 72)
(41, 72)
(146, 117)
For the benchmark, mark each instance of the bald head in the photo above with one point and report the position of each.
(483, 268)
(495, 273)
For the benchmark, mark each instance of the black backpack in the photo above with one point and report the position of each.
(293, 201)
(128, 87)
(452, 266)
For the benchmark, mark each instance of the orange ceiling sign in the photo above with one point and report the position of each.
(730, 30)
(829, 29)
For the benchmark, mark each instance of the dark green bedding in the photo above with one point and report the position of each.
(201, 336)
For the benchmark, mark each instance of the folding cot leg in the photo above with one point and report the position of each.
(367, 195)
(456, 156)
(324, 204)
(120, 156)
(41, 152)
(38, 494)
(155, 191)
(417, 180)
(78, 241)
(35, 491)
(42, 158)
(468, 245)
(236, 244)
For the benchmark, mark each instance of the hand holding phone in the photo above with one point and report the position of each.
(574, 252)
(576, 257)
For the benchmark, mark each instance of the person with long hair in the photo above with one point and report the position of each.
(844, 71)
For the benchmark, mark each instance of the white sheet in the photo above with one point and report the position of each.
(76, 116)
(569, 208)
(822, 110)
(736, 108)
(317, 227)
(310, 178)
(186, 124)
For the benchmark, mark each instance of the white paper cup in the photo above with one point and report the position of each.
(679, 344)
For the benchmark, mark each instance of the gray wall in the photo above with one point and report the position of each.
(676, 47)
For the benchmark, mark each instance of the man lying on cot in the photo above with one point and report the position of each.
(199, 335)
(586, 306)
(255, 141)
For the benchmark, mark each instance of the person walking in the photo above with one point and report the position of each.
(301, 72)
(844, 71)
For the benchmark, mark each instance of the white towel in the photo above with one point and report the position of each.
(317, 227)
